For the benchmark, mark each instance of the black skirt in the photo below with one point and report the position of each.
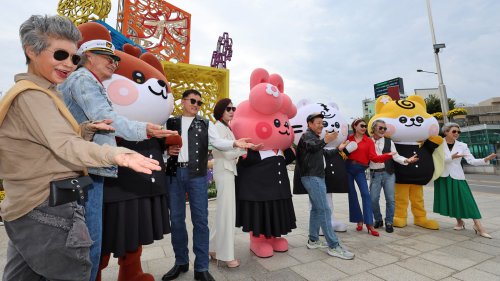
(132, 223)
(270, 218)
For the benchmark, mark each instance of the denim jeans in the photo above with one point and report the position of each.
(386, 181)
(197, 191)
(48, 243)
(356, 172)
(321, 214)
(93, 218)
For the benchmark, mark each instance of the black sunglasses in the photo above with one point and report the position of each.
(363, 126)
(193, 101)
(229, 108)
(61, 55)
(382, 128)
(456, 132)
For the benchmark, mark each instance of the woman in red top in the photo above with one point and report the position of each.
(356, 166)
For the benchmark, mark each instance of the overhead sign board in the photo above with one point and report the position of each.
(393, 88)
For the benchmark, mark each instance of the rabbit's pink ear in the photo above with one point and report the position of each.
(277, 81)
(259, 75)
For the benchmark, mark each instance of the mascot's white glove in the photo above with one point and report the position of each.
(351, 146)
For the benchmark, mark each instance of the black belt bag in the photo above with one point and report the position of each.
(69, 190)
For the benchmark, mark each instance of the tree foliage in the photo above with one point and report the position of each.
(434, 104)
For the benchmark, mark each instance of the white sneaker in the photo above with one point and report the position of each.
(340, 252)
(316, 244)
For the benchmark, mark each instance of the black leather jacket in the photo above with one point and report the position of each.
(310, 155)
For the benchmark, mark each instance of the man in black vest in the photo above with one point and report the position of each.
(187, 174)
(382, 175)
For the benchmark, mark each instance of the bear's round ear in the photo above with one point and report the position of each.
(93, 31)
(334, 105)
(302, 102)
(277, 81)
(259, 75)
(381, 102)
(132, 50)
(153, 61)
(418, 99)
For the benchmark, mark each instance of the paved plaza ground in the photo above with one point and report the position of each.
(411, 253)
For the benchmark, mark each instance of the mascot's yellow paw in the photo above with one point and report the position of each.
(436, 139)
(399, 222)
(425, 223)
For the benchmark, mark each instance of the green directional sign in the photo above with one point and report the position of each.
(382, 87)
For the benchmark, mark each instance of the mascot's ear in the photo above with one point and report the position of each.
(132, 50)
(93, 31)
(258, 76)
(381, 102)
(287, 107)
(334, 105)
(277, 81)
(418, 99)
(303, 102)
(152, 60)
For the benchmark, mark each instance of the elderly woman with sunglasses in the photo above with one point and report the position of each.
(221, 245)
(452, 195)
(39, 144)
(356, 165)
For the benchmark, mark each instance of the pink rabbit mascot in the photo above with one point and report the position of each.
(264, 204)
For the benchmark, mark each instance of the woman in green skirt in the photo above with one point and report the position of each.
(452, 195)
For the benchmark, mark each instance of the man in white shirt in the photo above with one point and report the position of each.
(187, 175)
(382, 175)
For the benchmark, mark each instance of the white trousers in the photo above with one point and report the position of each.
(222, 232)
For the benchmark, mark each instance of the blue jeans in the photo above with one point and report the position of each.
(320, 212)
(197, 191)
(386, 181)
(93, 219)
(356, 172)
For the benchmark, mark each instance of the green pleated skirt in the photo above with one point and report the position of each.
(453, 198)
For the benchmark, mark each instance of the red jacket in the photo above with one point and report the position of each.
(366, 152)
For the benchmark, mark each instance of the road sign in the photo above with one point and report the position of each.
(389, 87)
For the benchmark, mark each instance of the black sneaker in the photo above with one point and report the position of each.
(389, 228)
(378, 224)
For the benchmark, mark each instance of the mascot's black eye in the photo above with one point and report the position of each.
(420, 119)
(277, 123)
(286, 125)
(403, 119)
(138, 77)
(325, 124)
(337, 125)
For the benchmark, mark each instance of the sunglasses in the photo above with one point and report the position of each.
(456, 132)
(382, 128)
(229, 108)
(363, 126)
(61, 55)
(194, 101)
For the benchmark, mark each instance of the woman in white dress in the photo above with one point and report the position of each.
(222, 233)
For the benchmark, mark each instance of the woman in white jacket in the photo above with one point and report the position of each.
(452, 195)
(222, 233)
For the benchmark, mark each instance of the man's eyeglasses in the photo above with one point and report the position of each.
(194, 101)
(109, 59)
(455, 132)
(363, 126)
(61, 55)
(382, 128)
(229, 108)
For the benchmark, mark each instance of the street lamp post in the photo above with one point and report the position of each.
(420, 70)
(437, 47)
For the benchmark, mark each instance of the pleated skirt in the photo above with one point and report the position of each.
(270, 218)
(132, 223)
(454, 198)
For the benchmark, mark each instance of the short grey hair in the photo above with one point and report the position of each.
(36, 31)
(374, 124)
(446, 127)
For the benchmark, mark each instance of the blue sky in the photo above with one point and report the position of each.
(326, 50)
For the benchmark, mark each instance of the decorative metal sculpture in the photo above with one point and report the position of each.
(82, 11)
(157, 26)
(224, 51)
(213, 84)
